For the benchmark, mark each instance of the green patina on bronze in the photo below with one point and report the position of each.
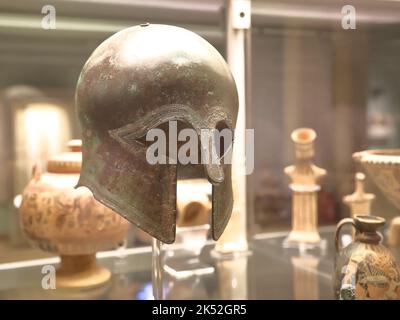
(138, 79)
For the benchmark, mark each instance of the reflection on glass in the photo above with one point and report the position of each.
(305, 278)
(232, 278)
(145, 292)
(193, 287)
(182, 259)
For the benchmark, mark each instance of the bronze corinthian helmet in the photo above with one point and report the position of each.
(139, 79)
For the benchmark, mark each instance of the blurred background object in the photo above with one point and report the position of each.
(193, 203)
(57, 217)
(359, 202)
(305, 178)
(305, 277)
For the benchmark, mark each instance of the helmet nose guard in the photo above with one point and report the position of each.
(134, 81)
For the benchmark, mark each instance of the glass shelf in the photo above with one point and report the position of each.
(270, 272)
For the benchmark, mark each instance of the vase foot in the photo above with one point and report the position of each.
(81, 271)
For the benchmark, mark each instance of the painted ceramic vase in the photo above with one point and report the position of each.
(365, 269)
(56, 217)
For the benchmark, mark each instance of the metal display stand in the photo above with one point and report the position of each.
(157, 270)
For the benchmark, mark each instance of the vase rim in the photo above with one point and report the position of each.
(378, 156)
(303, 135)
(368, 223)
(67, 162)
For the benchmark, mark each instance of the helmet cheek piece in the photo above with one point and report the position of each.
(222, 203)
(166, 174)
(120, 177)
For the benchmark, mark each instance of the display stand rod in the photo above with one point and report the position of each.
(157, 271)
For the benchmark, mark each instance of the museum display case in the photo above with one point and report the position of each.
(306, 94)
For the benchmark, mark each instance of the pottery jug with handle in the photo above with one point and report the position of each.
(365, 269)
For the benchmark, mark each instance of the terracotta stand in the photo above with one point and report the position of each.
(359, 202)
(304, 175)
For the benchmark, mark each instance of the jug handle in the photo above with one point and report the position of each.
(342, 223)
